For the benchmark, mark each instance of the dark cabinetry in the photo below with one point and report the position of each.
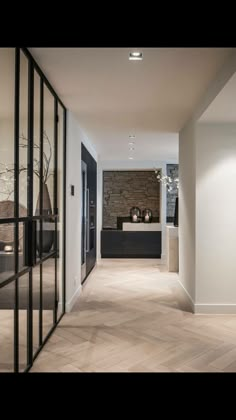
(91, 251)
(124, 244)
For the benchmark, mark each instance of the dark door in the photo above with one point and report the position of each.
(92, 208)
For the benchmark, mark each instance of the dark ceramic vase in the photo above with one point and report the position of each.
(48, 225)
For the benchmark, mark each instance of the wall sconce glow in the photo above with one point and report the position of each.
(131, 158)
(135, 55)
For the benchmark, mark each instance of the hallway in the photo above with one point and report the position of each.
(132, 316)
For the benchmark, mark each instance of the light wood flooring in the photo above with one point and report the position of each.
(132, 316)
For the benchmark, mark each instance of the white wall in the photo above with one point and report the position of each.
(129, 165)
(216, 217)
(73, 208)
(204, 262)
(187, 210)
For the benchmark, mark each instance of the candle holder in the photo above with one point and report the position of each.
(147, 216)
(135, 214)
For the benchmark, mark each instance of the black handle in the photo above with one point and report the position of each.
(30, 238)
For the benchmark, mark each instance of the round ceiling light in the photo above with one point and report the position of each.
(136, 55)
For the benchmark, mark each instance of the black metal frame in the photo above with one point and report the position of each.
(32, 67)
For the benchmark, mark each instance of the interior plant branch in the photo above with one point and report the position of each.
(166, 180)
(7, 172)
(46, 160)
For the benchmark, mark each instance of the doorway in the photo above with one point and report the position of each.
(32, 210)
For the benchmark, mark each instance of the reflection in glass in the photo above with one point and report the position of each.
(48, 236)
(36, 151)
(7, 89)
(60, 180)
(7, 305)
(38, 244)
(36, 307)
(23, 133)
(7, 252)
(48, 294)
(48, 152)
(21, 247)
(23, 290)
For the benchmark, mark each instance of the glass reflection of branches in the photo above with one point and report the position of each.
(7, 171)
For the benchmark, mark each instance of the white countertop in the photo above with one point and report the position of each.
(143, 227)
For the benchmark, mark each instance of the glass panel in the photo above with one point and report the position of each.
(21, 247)
(23, 320)
(48, 236)
(48, 294)
(23, 132)
(91, 239)
(36, 182)
(60, 189)
(7, 306)
(48, 153)
(7, 253)
(38, 245)
(60, 295)
(36, 307)
(7, 89)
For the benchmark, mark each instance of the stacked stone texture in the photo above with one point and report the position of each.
(172, 171)
(125, 189)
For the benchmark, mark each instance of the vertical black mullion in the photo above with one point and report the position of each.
(64, 213)
(30, 201)
(55, 155)
(41, 211)
(55, 204)
(16, 203)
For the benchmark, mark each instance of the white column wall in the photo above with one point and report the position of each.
(187, 181)
(206, 257)
(215, 218)
(73, 207)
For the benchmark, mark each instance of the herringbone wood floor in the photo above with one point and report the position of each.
(132, 316)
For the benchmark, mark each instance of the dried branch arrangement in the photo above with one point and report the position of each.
(7, 172)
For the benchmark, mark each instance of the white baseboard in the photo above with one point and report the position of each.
(216, 309)
(191, 302)
(70, 304)
(209, 308)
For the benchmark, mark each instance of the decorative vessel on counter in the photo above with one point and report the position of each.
(135, 214)
(147, 215)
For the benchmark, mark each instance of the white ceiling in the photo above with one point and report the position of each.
(114, 97)
(223, 107)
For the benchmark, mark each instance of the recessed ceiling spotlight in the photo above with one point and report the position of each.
(131, 148)
(135, 55)
(132, 136)
(130, 157)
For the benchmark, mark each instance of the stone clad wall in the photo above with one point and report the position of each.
(125, 189)
(172, 170)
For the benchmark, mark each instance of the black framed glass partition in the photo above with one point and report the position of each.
(32, 209)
